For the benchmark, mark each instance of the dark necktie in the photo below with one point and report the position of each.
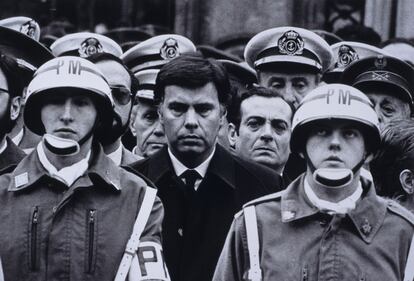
(190, 176)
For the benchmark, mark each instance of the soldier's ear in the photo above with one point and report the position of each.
(15, 106)
(232, 135)
(407, 181)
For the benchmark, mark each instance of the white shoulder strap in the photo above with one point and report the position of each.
(1, 272)
(139, 225)
(255, 273)
(409, 266)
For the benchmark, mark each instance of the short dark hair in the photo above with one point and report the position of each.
(17, 76)
(396, 153)
(260, 92)
(100, 57)
(193, 71)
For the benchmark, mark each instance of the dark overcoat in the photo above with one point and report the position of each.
(195, 225)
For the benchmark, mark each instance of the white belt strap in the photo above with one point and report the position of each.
(255, 273)
(409, 266)
(139, 225)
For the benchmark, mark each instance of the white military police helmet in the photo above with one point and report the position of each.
(335, 101)
(72, 74)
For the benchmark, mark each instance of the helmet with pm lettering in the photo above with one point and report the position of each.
(67, 75)
(335, 102)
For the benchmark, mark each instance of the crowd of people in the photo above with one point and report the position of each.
(294, 163)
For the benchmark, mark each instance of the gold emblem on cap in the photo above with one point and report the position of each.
(89, 47)
(346, 55)
(169, 49)
(28, 28)
(380, 62)
(291, 43)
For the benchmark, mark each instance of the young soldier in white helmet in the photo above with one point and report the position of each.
(329, 224)
(67, 210)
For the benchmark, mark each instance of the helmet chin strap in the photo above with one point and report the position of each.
(333, 177)
(62, 146)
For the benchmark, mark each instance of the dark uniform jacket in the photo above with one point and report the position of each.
(195, 225)
(298, 242)
(10, 157)
(49, 231)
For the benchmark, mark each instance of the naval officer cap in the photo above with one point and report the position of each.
(24, 25)
(290, 45)
(85, 44)
(157, 51)
(26, 51)
(345, 53)
(382, 72)
(146, 86)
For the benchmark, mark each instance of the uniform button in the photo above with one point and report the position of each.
(54, 209)
(180, 232)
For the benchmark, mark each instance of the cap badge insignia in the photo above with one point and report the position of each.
(291, 43)
(380, 62)
(169, 49)
(89, 47)
(346, 55)
(380, 76)
(28, 28)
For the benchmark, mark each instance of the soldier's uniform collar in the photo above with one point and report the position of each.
(367, 216)
(30, 170)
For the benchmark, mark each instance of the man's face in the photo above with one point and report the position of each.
(335, 144)
(68, 116)
(147, 129)
(191, 119)
(293, 86)
(117, 76)
(265, 130)
(388, 107)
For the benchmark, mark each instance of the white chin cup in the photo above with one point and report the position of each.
(333, 177)
(61, 146)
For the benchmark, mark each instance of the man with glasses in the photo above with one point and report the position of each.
(29, 55)
(11, 88)
(123, 85)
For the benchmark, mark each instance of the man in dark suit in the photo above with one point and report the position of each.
(201, 184)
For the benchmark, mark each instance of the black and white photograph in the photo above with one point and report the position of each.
(206, 140)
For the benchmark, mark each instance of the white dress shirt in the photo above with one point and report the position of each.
(116, 156)
(180, 168)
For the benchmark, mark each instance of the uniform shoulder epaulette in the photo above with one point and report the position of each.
(396, 208)
(266, 198)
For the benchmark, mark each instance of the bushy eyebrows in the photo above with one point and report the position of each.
(261, 118)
